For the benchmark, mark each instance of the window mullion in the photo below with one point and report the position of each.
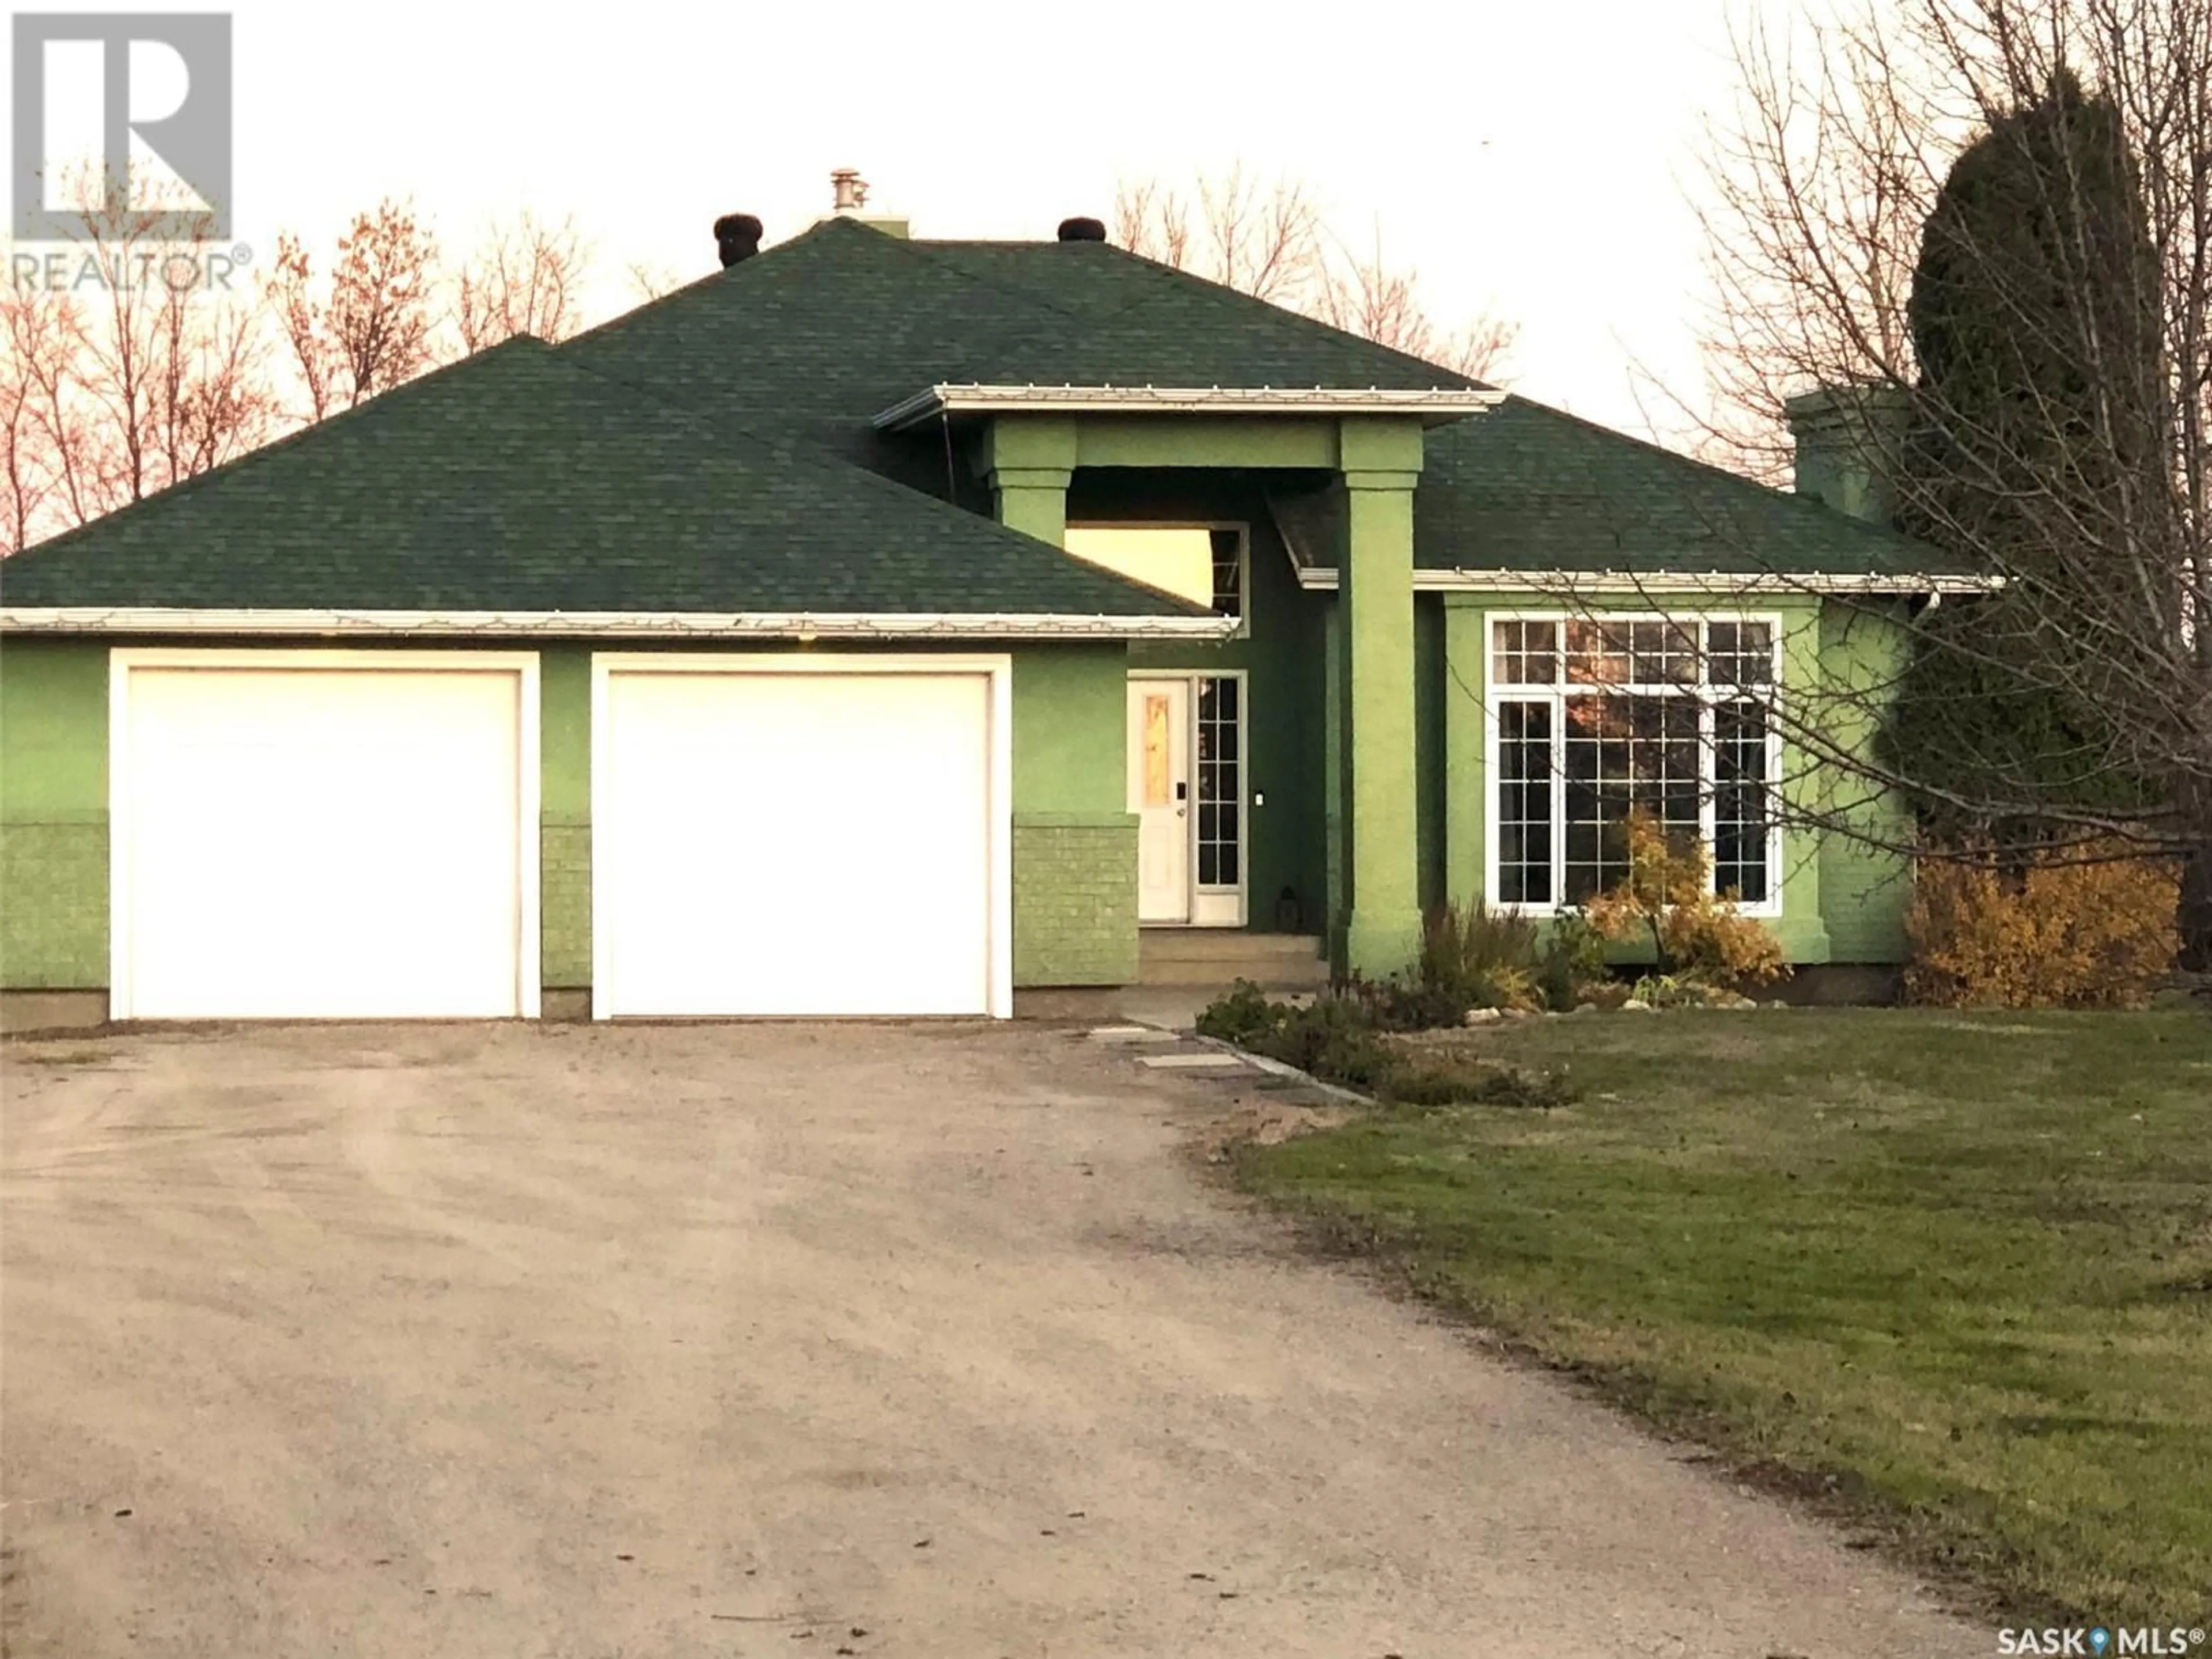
(1771, 794)
(1558, 794)
(1709, 786)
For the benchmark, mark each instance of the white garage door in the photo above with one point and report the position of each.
(769, 840)
(300, 835)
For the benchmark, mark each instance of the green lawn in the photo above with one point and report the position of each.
(1954, 1270)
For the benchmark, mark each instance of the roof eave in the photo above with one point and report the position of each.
(605, 624)
(1434, 407)
(1324, 579)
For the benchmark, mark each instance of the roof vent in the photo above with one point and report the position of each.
(737, 236)
(1082, 230)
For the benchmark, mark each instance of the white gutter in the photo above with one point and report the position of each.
(1436, 405)
(1325, 579)
(606, 624)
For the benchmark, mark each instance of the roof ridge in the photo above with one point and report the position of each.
(1029, 293)
(718, 434)
(1150, 266)
(736, 273)
(1169, 276)
(763, 513)
(357, 414)
(822, 460)
(1168, 279)
(1790, 500)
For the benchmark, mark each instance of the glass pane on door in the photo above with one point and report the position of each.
(1157, 751)
(1220, 788)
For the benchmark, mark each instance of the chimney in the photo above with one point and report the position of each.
(1082, 230)
(1847, 439)
(849, 198)
(737, 236)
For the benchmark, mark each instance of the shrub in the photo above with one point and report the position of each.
(1667, 991)
(2060, 933)
(1695, 933)
(1240, 1016)
(1572, 961)
(1392, 1006)
(1478, 956)
(1333, 1038)
(1338, 1039)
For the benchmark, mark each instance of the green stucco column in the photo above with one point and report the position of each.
(564, 796)
(1382, 462)
(1027, 461)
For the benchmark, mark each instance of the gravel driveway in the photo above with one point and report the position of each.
(781, 1339)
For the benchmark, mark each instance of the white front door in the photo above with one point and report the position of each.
(1159, 794)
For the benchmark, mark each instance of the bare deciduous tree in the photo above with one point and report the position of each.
(137, 369)
(372, 329)
(1271, 241)
(1482, 350)
(25, 479)
(125, 368)
(525, 277)
(1265, 240)
(291, 294)
(2081, 481)
(651, 282)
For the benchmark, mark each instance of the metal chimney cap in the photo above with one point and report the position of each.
(849, 191)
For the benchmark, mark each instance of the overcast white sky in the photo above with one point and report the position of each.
(1527, 159)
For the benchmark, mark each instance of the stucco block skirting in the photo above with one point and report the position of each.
(564, 903)
(53, 924)
(1075, 899)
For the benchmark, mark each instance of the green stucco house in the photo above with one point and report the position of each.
(893, 626)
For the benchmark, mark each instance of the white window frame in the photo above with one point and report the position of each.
(1243, 529)
(1496, 691)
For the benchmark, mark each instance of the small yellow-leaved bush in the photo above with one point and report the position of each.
(1667, 896)
(2063, 932)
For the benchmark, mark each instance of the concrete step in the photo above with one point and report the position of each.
(1220, 956)
(1225, 944)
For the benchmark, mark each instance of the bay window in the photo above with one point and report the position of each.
(1594, 718)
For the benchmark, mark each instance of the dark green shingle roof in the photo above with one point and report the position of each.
(1524, 489)
(820, 333)
(816, 335)
(518, 481)
(712, 451)
(1527, 488)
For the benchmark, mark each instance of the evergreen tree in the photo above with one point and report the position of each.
(2035, 318)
